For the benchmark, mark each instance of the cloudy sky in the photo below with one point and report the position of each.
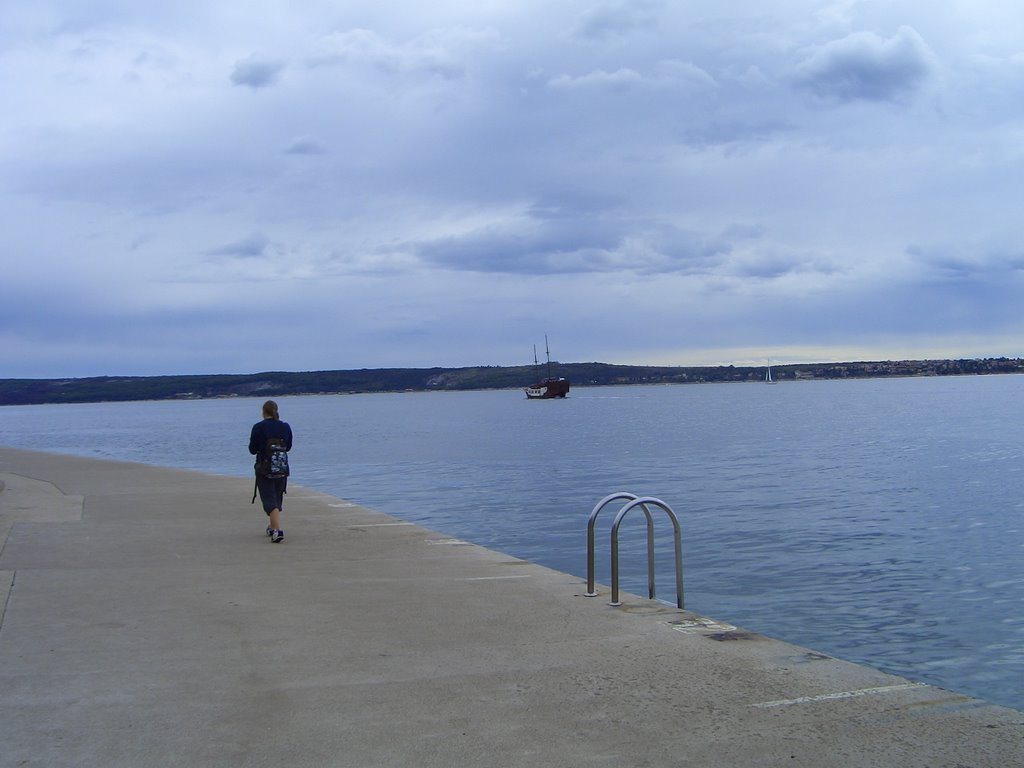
(202, 187)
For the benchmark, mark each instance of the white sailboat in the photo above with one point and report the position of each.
(768, 374)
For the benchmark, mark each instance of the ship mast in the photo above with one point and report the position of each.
(547, 351)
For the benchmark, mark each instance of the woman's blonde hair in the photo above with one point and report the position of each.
(270, 410)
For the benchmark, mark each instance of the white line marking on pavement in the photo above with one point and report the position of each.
(840, 695)
(690, 626)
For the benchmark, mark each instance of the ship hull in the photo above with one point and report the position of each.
(548, 389)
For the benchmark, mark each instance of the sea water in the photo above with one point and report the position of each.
(875, 520)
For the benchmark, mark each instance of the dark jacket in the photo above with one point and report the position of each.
(262, 430)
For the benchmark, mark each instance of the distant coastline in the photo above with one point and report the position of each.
(278, 384)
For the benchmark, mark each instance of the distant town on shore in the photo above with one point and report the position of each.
(278, 384)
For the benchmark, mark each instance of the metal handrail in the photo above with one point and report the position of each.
(620, 496)
(644, 502)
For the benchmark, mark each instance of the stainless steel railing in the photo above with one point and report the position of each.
(632, 502)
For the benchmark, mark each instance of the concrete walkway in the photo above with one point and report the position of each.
(147, 621)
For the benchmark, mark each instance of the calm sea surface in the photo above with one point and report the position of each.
(881, 521)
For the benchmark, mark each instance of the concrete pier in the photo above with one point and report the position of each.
(145, 620)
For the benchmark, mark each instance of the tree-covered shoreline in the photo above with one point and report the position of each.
(281, 383)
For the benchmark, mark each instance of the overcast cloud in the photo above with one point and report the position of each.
(196, 187)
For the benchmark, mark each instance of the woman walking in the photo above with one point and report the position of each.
(270, 441)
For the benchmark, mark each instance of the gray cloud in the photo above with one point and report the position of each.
(253, 246)
(865, 66)
(559, 244)
(980, 262)
(304, 145)
(255, 72)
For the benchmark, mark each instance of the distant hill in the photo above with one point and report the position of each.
(277, 384)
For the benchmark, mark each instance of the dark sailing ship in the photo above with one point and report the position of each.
(550, 387)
